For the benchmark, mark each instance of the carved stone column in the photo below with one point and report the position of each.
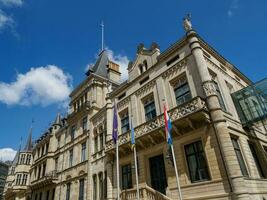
(220, 127)
(109, 118)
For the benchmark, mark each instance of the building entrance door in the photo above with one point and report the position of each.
(157, 173)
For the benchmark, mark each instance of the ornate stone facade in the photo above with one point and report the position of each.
(217, 158)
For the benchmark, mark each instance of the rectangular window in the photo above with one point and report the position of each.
(105, 185)
(18, 180)
(22, 159)
(72, 132)
(81, 189)
(44, 169)
(239, 157)
(101, 188)
(126, 176)
(96, 143)
(84, 123)
(219, 94)
(28, 160)
(256, 160)
(95, 187)
(46, 148)
(70, 158)
(196, 161)
(83, 153)
(58, 142)
(182, 91)
(125, 126)
(56, 164)
(24, 179)
(101, 137)
(150, 109)
(68, 192)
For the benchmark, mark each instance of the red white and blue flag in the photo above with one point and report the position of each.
(168, 126)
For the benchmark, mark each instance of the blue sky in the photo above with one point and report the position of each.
(46, 42)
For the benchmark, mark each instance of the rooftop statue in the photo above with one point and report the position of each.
(187, 23)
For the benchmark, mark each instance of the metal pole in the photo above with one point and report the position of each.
(176, 173)
(102, 29)
(118, 170)
(136, 174)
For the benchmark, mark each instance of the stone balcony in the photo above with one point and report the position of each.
(186, 117)
(49, 178)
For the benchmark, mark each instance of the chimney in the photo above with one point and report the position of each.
(113, 71)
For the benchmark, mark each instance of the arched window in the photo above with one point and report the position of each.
(140, 68)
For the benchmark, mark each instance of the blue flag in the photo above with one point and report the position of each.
(115, 124)
(132, 135)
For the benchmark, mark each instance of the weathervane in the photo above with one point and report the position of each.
(187, 22)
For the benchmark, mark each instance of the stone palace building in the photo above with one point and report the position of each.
(218, 154)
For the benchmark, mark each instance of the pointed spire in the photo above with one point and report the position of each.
(57, 120)
(28, 145)
(16, 158)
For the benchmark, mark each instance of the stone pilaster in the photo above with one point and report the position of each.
(109, 117)
(109, 177)
(220, 127)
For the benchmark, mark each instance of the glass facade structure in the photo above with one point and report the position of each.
(251, 103)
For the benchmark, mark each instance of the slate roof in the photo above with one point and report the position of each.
(100, 67)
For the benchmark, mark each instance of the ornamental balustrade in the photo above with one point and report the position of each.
(194, 105)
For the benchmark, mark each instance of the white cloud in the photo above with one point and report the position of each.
(7, 154)
(233, 7)
(11, 2)
(5, 20)
(121, 60)
(42, 85)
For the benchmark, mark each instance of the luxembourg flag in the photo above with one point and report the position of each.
(168, 126)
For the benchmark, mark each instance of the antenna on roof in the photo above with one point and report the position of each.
(102, 34)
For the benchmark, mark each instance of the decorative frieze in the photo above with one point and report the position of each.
(146, 89)
(174, 69)
(123, 103)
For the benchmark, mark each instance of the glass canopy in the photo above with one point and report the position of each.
(251, 103)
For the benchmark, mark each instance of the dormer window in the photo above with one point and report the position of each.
(143, 67)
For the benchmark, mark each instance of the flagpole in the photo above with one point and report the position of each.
(176, 173)
(136, 174)
(168, 127)
(118, 170)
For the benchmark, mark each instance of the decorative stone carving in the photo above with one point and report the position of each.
(209, 88)
(187, 23)
(174, 69)
(123, 103)
(147, 88)
(192, 106)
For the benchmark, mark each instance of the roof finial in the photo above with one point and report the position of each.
(187, 22)
(102, 34)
